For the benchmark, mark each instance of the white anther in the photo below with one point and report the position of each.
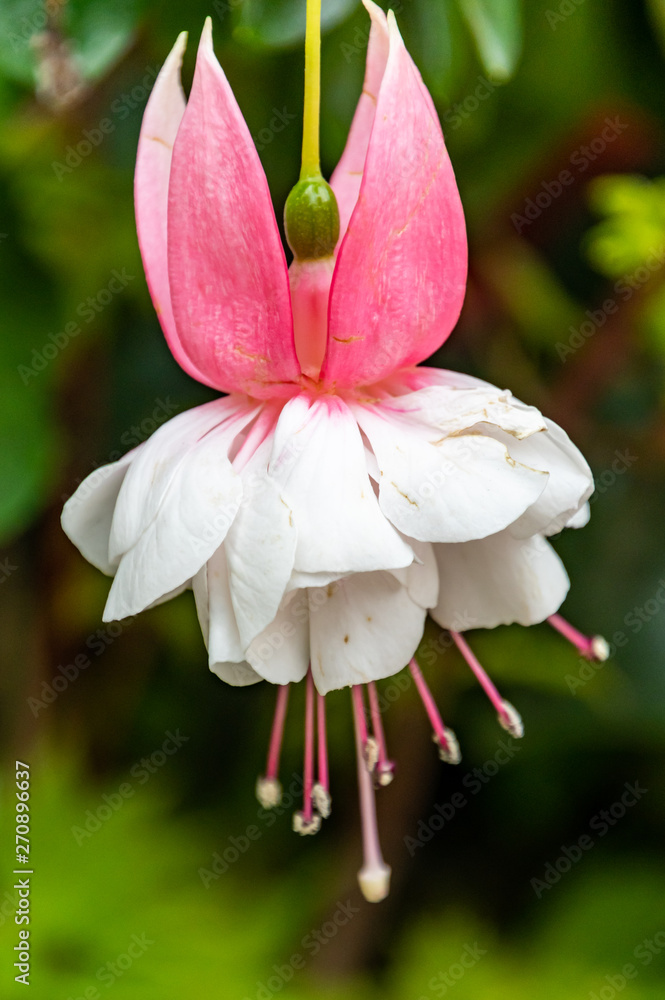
(268, 792)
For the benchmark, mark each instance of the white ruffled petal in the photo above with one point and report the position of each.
(197, 509)
(452, 409)
(260, 549)
(497, 581)
(581, 518)
(88, 514)
(223, 635)
(319, 461)
(158, 463)
(236, 674)
(362, 628)
(446, 489)
(281, 653)
(421, 579)
(569, 485)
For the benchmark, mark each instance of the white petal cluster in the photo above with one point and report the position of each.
(324, 529)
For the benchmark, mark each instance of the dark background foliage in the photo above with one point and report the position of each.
(554, 117)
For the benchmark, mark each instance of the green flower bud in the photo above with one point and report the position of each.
(311, 219)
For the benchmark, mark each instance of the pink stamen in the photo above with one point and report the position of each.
(308, 771)
(307, 821)
(374, 876)
(277, 732)
(509, 717)
(320, 790)
(385, 768)
(444, 737)
(359, 710)
(268, 787)
(591, 647)
(322, 742)
(369, 744)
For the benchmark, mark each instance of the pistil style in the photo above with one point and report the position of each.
(374, 876)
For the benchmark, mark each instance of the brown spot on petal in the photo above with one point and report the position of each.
(408, 498)
(346, 638)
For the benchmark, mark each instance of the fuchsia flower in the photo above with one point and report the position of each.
(338, 493)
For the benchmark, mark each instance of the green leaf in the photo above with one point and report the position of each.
(19, 21)
(99, 32)
(28, 454)
(496, 26)
(281, 23)
(656, 10)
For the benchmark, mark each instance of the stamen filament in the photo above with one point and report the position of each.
(323, 741)
(370, 747)
(374, 876)
(308, 769)
(591, 647)
(277, 733)
(445, 738)
(509, 717)
(307, 821)
(321, 789)
(310, 137)
(268, 787)
(385, 768)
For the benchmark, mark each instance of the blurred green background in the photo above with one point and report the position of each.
(554, 113)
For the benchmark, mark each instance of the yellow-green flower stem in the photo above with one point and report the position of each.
(310, 137)
(311, 216)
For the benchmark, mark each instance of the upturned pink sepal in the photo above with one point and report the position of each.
(401, 269)
(347, 175)
(227, 270)
(161, 121)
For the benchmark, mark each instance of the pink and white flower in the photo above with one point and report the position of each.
(338, 492)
